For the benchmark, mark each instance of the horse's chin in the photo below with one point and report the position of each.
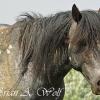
(95, 91)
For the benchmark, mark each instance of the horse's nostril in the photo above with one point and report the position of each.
(98, 83)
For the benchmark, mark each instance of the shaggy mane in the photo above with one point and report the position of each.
(42, 40)
(88, 30)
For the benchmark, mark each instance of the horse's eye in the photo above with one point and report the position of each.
(82, 43)
(81, 46)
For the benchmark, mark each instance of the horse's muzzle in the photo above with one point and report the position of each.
(95, 90)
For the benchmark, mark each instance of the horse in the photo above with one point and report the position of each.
(35, 61)
(40, 51)
(84, 46)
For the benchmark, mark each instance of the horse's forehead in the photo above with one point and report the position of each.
(72, 29)
(72, 33)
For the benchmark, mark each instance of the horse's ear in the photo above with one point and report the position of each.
(76, 14)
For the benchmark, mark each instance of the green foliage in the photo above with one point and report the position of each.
(77, 87)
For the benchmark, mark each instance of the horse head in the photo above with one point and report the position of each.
(84, 45)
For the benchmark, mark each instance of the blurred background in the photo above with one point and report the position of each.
(77, 87)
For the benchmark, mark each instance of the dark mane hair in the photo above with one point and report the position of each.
(42, 40)
(89, 28)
